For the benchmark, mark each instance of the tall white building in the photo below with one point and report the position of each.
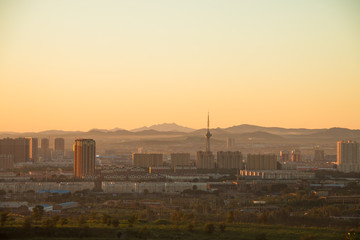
(348, 157)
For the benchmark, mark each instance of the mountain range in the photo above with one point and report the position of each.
(165, 127)
(244, 131)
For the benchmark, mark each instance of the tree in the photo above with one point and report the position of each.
(150, 215)
(81, 220)
(209, 228)
(132, 220)
(351, 236)
(55, 219)
(27, 223)
(109, 221)
(63, 221)
(49, 226)
(190, 227)
(263, 218)
(176, 217)
(307, 237)
(144, 233)
(261, 236)
(115, 222)
(230, 217)
(222, 227)
(104, 218)
(3, 218)
(38, 212)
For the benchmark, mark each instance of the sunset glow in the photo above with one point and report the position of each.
(131, 63)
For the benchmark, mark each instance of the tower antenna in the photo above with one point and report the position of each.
(208, 134)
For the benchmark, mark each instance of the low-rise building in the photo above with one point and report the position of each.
(279, 174)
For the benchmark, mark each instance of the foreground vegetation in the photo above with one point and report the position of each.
(164, 229)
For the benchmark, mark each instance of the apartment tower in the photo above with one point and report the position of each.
(84, 157)
(348, 157)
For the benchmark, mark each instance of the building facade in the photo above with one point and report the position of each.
(229, 160)
(147, 159)
(261, 162)
(319, 155)
(33, 149)
(348, 157)
(19, 148)
(84, 158)
(295, 155)
(205, 160)
(58, 149)
(180, 159)
(6, 162)
(230, 143)
(284, 155)
(45, 151)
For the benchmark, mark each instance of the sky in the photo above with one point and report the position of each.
(78, 65)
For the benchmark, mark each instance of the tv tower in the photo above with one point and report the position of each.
(208, 135)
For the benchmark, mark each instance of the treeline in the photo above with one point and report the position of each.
(316, 218)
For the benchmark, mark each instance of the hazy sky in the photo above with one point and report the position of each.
(77, 65)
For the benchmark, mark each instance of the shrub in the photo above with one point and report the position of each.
(162, 222)
(144, 233)
(190, 227)
(209, 228)
(261, 236)
(222, 227)
(307, 237)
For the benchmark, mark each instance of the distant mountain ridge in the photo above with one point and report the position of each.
(246, 128)
(242, 131)
(165, 127)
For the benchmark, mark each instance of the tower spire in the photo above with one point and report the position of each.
(208, 123)
(208, 135)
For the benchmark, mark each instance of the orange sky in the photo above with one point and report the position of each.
(77, 65)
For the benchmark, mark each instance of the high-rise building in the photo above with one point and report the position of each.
(58, 149)
(84, 157)
(33, 149)
(45, 151)
(205, 160)
(261, 162)
(7, 147)
(59, 144)
(180, 159)
(147, 159)
(284, 156)
(44, 144)
(19, 148)
(6, 162)
(348, 157)
(230, 143)
(295, 155)
(229, 160)
(319, 155)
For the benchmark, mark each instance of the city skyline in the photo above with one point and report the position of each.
(135, 63)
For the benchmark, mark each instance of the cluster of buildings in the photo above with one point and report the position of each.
(13, 151)
(22, 150)
(23, 208)
(293, 155)
(152, 187)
